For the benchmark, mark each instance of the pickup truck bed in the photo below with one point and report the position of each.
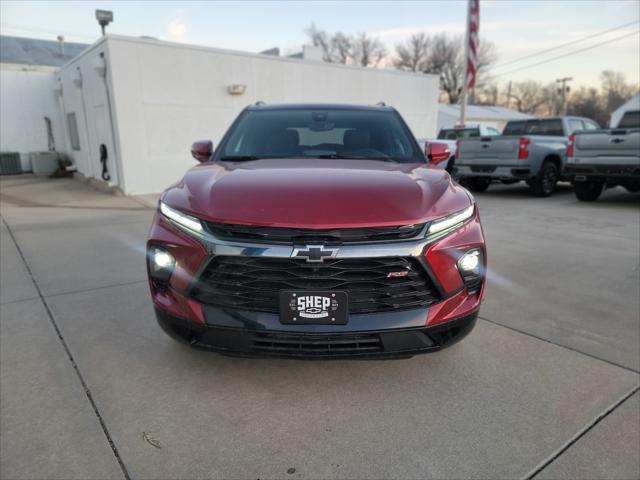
(599, 159)
(531, 150)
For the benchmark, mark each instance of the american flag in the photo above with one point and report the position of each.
(472, 55)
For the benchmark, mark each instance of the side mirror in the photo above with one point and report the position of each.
(437, 152)
(202, 150)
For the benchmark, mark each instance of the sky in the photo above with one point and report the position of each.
(517, 28)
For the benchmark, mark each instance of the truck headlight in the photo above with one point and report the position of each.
(470, 266)
(183, 220)
(444, 225)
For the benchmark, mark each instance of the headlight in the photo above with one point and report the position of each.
(182, 219)
(447, 224)
(161, 265)
(470, 266)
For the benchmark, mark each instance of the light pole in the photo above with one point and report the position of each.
(104, 17)
(563, 91)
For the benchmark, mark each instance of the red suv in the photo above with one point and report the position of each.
(316, 231)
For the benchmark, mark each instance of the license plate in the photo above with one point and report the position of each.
(319, 307)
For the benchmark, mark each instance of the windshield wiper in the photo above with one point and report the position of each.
(239, 158)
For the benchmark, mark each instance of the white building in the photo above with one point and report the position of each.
(632, 104)
(491, 116)
(30, 115)
(147, 100)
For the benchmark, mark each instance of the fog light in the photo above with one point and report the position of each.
(470, 261)
(470, 267)
(161, 265)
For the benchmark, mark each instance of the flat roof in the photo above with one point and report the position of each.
(35, 51)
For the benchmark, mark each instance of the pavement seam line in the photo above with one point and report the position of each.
(493, 322)
(87, 391)
(581, 433)
(93, 289)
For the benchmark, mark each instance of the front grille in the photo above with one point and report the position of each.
(316, 344)
(254, 283)
(251, 233)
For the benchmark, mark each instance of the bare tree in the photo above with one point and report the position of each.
(368, 51)
(588, 102)
(487, 57)
(444, 56)
(319, 38)
(488, 94)
(526, 96)
(445, 60)
(340, 48)
(615, 88)
(413, 54)
(549, 100)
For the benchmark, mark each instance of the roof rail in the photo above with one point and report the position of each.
(259, 102)
(381, 104)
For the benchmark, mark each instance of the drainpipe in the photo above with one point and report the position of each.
(111, 124)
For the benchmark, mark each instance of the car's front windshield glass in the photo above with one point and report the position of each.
(320, 133)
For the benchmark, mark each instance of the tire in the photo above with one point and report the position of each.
(450, 166)
(452, 170)
(477, 184)
(545, 182)
(588, 191)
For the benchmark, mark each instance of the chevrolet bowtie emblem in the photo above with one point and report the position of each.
(314, 253)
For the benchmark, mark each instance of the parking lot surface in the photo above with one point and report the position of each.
(546, 386)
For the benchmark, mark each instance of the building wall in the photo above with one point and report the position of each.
(84, 82)
(168, 95)
(27, 96)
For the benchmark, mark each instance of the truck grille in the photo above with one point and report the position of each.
(316, 344)
(254, 283)
(252, 233)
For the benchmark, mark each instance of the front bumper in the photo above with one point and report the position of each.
(305, 343)
(396, 333)
(506, 172)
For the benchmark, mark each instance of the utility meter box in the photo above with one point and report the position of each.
(44, 163)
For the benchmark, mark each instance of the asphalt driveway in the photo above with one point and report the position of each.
(545, 387)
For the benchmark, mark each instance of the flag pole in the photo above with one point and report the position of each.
(463, 98)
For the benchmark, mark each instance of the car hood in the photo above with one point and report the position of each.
(312, 193)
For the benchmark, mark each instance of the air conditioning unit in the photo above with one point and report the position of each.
(10, 163)
(44, 163)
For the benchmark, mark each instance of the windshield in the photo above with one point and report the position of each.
(456, 133)
(547, 127)
(320, 133)
(630, 120)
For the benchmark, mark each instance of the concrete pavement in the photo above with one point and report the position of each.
(544, 387)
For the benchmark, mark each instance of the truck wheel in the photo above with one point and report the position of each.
(477, 184)
(452, 170)
(588, 191)
(545, 183)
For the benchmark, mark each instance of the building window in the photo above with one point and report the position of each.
(72, 127)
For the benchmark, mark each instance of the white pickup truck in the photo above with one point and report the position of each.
(597, 159)
(450, 137)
